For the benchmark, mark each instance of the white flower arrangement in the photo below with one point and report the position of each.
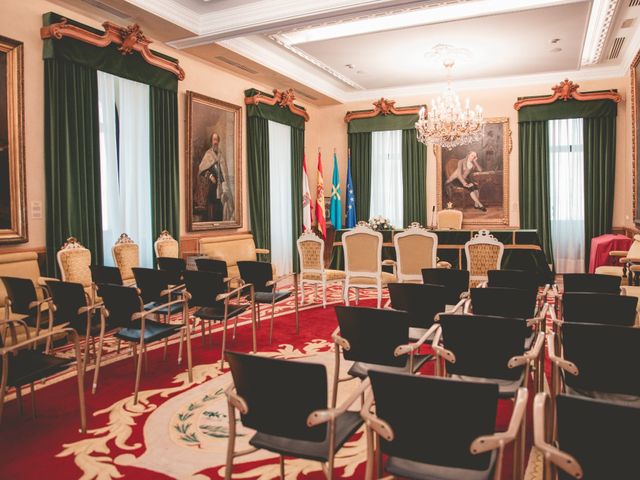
(379, 222)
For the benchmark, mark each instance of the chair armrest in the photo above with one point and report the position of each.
(378, 425)
(629, 260)
(456, 307)
(486, 443)
(464, 295)
(263, 251)
(10, 324)
(42, 281)
(224, 296)
(90, 308)
(338, 340)
(318, 417)
(535, 351)
(440, 350)
(556, 456)
(277, 280)
(170, 290)
(236, 400)
(42, 336)
(618, 253)
(541, 317)
(407, 349)
(467, 307)
(565, 365)
(634, 268)
(146, 313)
(37, 303)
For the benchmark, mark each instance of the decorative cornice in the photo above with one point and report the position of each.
(598, 30)
(72, 243)
(128, 38)
(284, 99)
(165, 236)
(381, 107)
(124, 239)
(566, 90)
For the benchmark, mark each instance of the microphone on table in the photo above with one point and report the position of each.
(433, 213)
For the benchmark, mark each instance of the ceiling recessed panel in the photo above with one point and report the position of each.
(500, 45)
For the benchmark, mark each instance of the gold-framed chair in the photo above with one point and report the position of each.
(311, 252)
(74, 261)
(126, 256)
(449, 219)
(483, 252)
(416, 249)
(362, 248)
(166, 246)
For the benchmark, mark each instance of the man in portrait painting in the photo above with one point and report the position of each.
(213, 193)
(462, 176)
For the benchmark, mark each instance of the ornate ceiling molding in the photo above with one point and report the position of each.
(600, 21)
(566, 90)
(128, 38)
(282, 98)
(381, 107)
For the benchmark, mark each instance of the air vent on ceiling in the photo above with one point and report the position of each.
(233, 63)
(306, 95)
(616, 47)
(627, 23)
(108, 8)
(634, 3)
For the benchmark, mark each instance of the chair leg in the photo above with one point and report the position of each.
(273, 309)
(295, 286)
(224, 342)
(379, 296)
(189, 360)
(3, 385)
(357, 296)
(336, 376)
(180, 346)
(19, 397)
(231, 442)
(96, 372)
(324, 294)
(301, 292)
(235, 325)
(33, 400)
(282, 467)
(138, 373)
(368, 474)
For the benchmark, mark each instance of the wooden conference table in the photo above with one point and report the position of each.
(522, 250)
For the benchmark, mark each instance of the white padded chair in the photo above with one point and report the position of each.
(415, 249)
(449, 219)
(126, 256)
(483, 253)
(311, 252)
(166, 246)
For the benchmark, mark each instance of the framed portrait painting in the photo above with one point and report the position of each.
(474, 178)
(635, 135)
(13, 215)
(214, 164)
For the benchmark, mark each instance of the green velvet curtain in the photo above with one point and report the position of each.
(72, 159)
(599, 135)
(258, 176)
(414, 178)
(297, 155)
(533, 152)
(360, 147)
(163, 126)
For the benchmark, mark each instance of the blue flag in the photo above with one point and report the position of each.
(336, 203)
(351, 198)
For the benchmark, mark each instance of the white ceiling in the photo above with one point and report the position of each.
(311, 42)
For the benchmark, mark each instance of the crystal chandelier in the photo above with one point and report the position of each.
(448, 124)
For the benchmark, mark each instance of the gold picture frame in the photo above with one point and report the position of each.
(491, 182)
(634, 75)
(13, 215)
(213, 168)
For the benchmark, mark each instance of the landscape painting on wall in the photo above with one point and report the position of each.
(214, 162)
(474, 178)
(13, 219)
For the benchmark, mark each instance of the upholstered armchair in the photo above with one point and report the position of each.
(415, 249)
(362, 259)
(126, 256)
(484, 253)
(74, 261)
(166, 246)
(629, 262)
(231, 249)
(311, 251)
(449, 219)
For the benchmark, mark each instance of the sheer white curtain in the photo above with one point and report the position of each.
(125, 164)
(280, 197)
(386, 176)
(566, 179)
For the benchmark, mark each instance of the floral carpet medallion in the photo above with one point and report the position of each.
(185, 429)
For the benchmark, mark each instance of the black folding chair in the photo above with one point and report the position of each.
(601, 308)
(461, 415)
(590, 282)
(124, 307)
(374, 338)
(207, 292)
(212, 265)
(176, 266)
(102, 275)
(260, 275)
(455, 281)
(157, 290)
(520, 279)
(595, 439)
(286, 403)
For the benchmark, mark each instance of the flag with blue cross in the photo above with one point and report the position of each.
(351, 197)
(336, 202)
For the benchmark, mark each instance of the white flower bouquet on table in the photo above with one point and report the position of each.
(379, 222)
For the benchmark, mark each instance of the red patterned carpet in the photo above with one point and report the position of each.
(178, 430)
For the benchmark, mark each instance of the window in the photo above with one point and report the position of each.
(125, 177)
(566, 191)
(386, 176)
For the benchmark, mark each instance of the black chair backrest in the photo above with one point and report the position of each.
(373, 334)
(257, 273)
(212, 265)
(121, 303)
(463, 411)
(603, 308)
(504, 302)
(68, 297)
(21, 292)
(151, 283)
(280, 394)
(607, 357)
(603, 437)
(591, 282)
(102, 275)
(422, 302)
(204, 287)
(484, 344)
(455, 281)
(521, 279)
(174, 265)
